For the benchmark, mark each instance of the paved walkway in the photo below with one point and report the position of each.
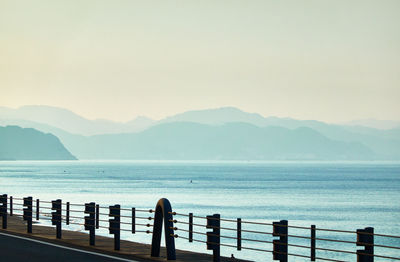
(22, 249)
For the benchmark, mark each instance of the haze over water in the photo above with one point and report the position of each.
(117, 79)
(338, 195)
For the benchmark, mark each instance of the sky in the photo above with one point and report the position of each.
(332, 61)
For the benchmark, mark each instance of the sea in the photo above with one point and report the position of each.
(330, 195)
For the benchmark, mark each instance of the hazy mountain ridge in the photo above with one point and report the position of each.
(233, 141)
(381, 144)
(216, 117)
(66, 120)
(18, 143)
(374, 123)
(75, 124)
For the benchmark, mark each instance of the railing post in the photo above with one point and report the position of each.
(239, 234)
(133, 220)
(67, 214)
(115, 224)
(213, 237)
(163, 213)
(11, 206)
(365, 238)
(89, 221)
(280, 250)
(3, 210)
(37, 209)
(312, 243)
(97, 216)
(190, 227)
(56, 216)
(28, 213)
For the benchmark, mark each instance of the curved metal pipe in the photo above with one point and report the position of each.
(163, 211)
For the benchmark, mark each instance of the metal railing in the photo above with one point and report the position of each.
(67, 213)
(363, 238)
(255, 235)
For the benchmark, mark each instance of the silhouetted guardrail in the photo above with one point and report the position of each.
(163, 216)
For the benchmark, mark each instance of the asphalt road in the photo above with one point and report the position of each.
(19, 249)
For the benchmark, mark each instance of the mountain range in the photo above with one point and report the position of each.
(223, 133)
(71, 122)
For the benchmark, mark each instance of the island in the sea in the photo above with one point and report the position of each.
(18, 143)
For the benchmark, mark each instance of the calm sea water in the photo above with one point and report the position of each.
(330, 195)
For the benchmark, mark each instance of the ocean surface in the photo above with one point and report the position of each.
(333, 195)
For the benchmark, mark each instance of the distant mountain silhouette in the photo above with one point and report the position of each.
(373, 123)
(71, 122)
(233, 141)
(18, 143)
(385, 144)
(217, 116)
(75, 124)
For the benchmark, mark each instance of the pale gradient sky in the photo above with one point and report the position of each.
(326, 60)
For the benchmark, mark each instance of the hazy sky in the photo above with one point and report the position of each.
(326, 60)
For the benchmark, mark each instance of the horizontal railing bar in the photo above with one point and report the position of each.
(16, 198)
(128, 209)
(77, 205)
(212, 218)
(187, 223)
(256, 223)
(138, 217)
(256, 249)
(20, 204)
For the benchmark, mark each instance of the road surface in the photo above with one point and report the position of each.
(20, 249)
